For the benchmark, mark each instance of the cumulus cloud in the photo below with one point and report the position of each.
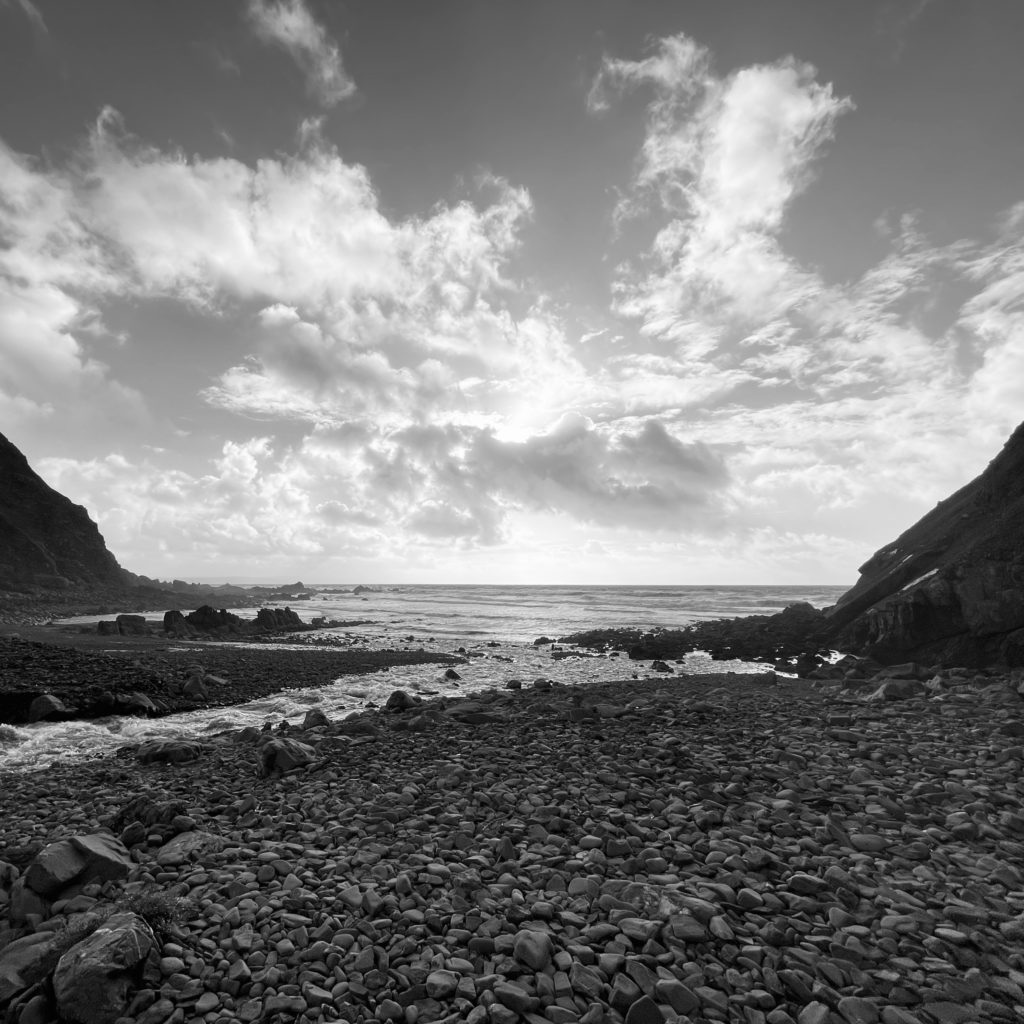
(870, 379)
(723, 157)
(290, 25)
(357, 313)
(648, 479)
(426, 380)
(375, 492)
(49, 264)
(415, 396)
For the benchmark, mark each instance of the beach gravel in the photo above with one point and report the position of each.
(699, 849)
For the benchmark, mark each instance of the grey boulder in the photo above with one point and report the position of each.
(94, 978)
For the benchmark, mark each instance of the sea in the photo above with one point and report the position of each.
(493, 627)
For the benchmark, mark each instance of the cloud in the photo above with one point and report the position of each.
(415, 393)
(32, 13)
(290, 25)
(648, 479)
(49, 264)
(352, 314)
(723, 157)
(827, 398)
(379, 493)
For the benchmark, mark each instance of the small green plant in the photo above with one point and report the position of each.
(159, 910)
(77, 928)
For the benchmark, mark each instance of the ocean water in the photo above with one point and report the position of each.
(523, 613)
(493, 627)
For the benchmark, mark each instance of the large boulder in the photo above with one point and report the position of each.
(137, 703)
(94, 979)
(168, 751)
(45, 706)
(951, 588)
(78, 860)
(176, 625)
(209, 620)
(278, 754)
(25, 961)
(399, 700)
(132, 625)
(277, 618)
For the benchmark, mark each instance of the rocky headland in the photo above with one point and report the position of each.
(951, 588)
(46, 541)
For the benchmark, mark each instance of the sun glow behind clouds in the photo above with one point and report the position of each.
(401, 391)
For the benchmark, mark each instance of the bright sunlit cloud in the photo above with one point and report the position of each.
(310, 349)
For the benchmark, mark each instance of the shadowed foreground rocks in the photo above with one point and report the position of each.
(709, 849)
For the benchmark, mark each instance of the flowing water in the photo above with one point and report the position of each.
(494, 626)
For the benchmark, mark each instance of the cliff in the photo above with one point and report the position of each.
(46, 541)
(951, 588)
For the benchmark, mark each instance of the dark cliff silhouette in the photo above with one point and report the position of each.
(47, 542)
(951, 588)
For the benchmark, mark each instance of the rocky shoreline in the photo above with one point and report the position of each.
(696, 849)
(92, 676)
(797, 639)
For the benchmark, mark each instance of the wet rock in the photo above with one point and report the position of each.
(399, 700)
(168, 751)
(314, 719)
(137, 703)
(278, 754)
(45, 706)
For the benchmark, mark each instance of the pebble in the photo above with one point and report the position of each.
(643, 862)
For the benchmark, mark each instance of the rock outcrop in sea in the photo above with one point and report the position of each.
(951, 588)
(47, 541)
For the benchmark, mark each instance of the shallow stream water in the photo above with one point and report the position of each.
(495, 626)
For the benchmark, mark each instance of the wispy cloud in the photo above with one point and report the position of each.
(31, 12)
(290, 25)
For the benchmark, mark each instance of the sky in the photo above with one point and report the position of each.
(595, 291)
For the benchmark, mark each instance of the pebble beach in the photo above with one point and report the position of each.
(707, 848)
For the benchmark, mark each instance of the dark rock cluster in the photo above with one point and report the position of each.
(797, 638)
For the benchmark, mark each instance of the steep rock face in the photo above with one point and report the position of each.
(951, 588)
(46, 541)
